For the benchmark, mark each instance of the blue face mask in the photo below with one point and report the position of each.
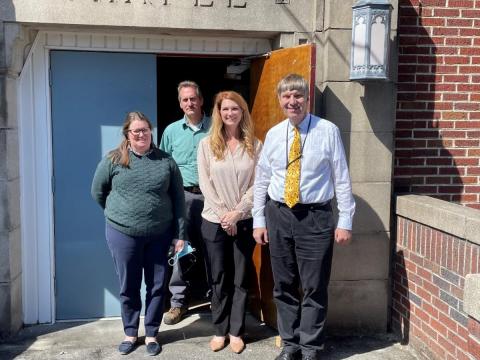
(187, 249)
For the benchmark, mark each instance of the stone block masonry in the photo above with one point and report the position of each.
(433, 260)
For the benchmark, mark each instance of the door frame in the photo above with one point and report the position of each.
(35, 141)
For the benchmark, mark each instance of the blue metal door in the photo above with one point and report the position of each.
(91, 92)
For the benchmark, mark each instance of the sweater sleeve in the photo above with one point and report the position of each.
(178, 200)
(102, 182)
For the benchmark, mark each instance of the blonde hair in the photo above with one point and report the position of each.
(120, 155)
(218, 134)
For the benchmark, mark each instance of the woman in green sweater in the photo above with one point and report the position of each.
(140, 189)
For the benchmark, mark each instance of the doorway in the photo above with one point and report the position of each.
(39, 270)
(212, 74)
(91, 102)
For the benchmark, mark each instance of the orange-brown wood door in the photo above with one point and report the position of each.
(266, 72)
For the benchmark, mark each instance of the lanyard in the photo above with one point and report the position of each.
(301, 147)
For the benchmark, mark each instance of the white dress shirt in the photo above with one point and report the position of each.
(323, 169)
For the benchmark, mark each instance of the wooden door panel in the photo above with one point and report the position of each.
(266, 72)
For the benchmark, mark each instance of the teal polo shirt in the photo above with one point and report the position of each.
(181, 141)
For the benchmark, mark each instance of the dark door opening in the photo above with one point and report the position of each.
(210, 73)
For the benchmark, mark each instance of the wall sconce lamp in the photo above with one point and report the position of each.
(370, 40)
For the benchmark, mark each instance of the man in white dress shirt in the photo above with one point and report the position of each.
(301, 168)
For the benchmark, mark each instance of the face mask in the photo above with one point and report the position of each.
(187, 249)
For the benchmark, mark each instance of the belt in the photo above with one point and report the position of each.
(304, 207)
(195, 189)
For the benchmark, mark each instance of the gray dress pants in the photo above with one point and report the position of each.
(178, 284)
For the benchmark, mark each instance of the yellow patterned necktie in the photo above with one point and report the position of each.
(292, 177)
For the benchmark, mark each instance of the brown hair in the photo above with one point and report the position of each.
(120, 154)
(217, 130)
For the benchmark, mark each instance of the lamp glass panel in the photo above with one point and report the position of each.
(359, 41)
(377, 45)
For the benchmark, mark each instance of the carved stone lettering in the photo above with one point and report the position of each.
(112, 1)
(237, 3)
(203, 3)
(200, 3)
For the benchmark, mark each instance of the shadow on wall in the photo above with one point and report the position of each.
(424, 162)
(401, 322)
(10, 319)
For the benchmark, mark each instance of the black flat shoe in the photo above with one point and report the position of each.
(153, 348)
(126, 347)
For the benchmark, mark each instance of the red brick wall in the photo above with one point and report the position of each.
(427, 301)
(437, 140)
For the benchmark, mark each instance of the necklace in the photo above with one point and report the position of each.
(301, 147)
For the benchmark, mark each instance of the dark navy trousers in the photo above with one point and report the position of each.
(132, 256)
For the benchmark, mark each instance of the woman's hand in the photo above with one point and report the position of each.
(231, 230)
(179, 244)
(230, 218)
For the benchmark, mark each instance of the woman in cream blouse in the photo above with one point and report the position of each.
(226, 167)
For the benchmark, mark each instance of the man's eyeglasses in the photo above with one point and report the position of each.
(136, 132)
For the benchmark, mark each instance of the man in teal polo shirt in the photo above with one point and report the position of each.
(180, 139)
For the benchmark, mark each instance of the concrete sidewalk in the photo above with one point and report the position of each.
(186, 340)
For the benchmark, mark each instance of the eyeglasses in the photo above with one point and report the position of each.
(136, 132)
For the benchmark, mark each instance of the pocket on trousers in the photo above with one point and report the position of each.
(322, 221)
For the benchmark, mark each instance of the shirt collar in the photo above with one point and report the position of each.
(200, 125)
(140, 155)
(303, 126)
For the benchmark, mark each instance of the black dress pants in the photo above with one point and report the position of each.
(230, 260)
(301, 248)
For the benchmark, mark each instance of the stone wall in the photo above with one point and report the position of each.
(10, 262)
(436, 278)
(364, 112)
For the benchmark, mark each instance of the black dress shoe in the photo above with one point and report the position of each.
(153, 348)
(285, 355)
(126, 347)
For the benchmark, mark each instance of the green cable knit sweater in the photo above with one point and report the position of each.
(144, 199)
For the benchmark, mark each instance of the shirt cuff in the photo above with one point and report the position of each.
(344, 223)
(259, 222)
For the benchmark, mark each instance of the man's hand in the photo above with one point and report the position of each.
(179, 244)
(260, 235)
(342, 236)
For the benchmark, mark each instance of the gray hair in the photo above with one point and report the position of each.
(293, 82)
(192, 84)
